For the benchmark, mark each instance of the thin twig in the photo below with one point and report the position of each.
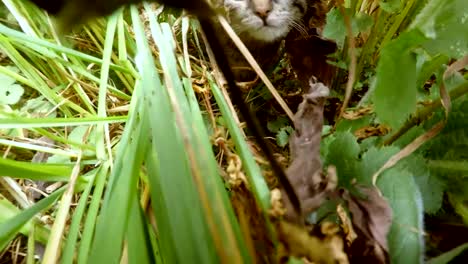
(445, 101)
(424, 113)
(352, 55)
(248, 56)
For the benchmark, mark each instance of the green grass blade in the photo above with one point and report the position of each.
(255, 178)
(139, 246)
(92, 213)
(21, 122)
(10, 228)
(35, 171)
(73, 233)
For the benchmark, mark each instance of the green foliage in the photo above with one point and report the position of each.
(161, 149)
(448, 256)
(10, 93)
(444, 23)
(403, 56)
(395, 86)
(282, 137)
(397, 184)
(49, 172)
(343, 152)
(10, 228)
(405, 239)
(335, 28)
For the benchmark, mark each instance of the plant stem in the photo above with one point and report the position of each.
(424, 113)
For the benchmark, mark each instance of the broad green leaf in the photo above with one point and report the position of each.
(405, 238)
(10, 94)
(345, 125)
(372, 160)
(343, 153)
(35, 171)
(431, 187)
(429, 67)
(445, 23)
(335, 28)
(395, 87)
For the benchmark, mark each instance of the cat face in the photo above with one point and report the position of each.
(265, 20)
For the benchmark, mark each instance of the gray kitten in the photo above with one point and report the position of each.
(264, 20)
(262, 25)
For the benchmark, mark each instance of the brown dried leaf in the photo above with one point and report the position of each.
(300, 244)
(357, 113)
(346, 225)
(371, 218)
(371, 131)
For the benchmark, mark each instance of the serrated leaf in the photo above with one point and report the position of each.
(282, 137)
(335, 27)
(445, 22)
(395, 87)
(372, 161)
(405, 239)
(343, 153)
(430, 186)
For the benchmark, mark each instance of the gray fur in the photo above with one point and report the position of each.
(275, 25)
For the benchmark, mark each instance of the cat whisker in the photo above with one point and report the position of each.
(299, 26)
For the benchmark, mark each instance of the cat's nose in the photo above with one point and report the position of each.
(263, 11)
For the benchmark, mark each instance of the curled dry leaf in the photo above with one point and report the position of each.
(346, 225)
(277, 209)
(357, 113)
(234, 170)
(299, 243)
(371, 217)
(371, 131)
